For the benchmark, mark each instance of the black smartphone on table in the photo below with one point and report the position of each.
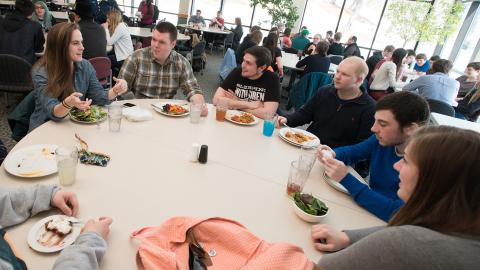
(128, 104)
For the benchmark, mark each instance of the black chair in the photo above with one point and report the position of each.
(228, 42)
(198, 63)
(335, 59)
(440, 107)
(15, 75)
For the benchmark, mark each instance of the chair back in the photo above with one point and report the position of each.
(290, 50)
(199, 49)
(103, 68)
(229, 40)
(306, 88)
(440, 107)
(335, 59)
(15, 75)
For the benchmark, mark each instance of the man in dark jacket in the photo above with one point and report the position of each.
(336, 48)
(94, 36)
(340, 114)
(254, 39)
(19, 35)
(352, 48)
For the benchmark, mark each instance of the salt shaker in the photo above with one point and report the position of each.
(194, 154)
(203, 156)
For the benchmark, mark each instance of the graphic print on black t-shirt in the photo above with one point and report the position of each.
(249, 92)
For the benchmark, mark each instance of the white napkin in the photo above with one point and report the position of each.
(137, 114)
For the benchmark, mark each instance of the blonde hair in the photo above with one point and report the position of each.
(114, 19)
(476, 95)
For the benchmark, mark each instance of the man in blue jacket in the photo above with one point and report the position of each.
(397, 117)
(340, 114)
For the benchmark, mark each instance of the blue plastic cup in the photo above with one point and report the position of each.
(269, 124)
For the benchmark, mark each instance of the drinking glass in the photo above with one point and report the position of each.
(269, 124)
(308, 155)
(195, 112)
(221, 109)
(114, 117)
(297, 177)
(67, 159)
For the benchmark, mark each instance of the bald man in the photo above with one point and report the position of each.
(340, 114)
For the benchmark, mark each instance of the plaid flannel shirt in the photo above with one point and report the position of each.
(147, 78)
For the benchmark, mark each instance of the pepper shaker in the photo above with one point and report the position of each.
(203, 156)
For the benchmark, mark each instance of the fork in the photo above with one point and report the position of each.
(289, 128)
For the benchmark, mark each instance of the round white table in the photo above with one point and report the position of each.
(150, 179)
(147, 32)
(212, 30)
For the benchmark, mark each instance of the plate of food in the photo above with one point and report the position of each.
(336, 185)
(32, 161)
(54, 233)
(92, 115)
(241, 118)
(298, 137)
(171, 108)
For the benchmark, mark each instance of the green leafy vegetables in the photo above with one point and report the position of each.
(90, 115)
(310, 204)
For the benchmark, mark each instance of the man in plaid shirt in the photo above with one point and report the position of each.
(158, 71)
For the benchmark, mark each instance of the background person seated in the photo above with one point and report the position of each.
(20, 36)
(336, 47)
(299, 42)
(286, 41)
(351, 48)
(386, 77)
(310, 47)
(340, 114)
(437, 85)
(318, 61)
(94, 35)
(378, 58)
(43, 16)
(252, 88)
(397, 117)
(422, 65)
(253, 39)
(469, 80)
(420, 235)
(469, 107)
(147, 11)
(197, 19)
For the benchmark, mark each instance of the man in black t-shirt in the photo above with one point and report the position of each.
(252, 88)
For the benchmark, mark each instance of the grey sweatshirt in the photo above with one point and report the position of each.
(17, 205)
(405, 247)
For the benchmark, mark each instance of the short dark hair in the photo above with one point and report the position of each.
(411, 53)
(287, 31)
(166, 27)
(406, 107)
(435, 58)
(329, 32)
(322, 48)
(354, 39)
(389, 48)
(442, 65)
(198, 10)
(256, 36)
(262, 55)
(337, 36)
(25, 7)
(254, 28)
(421, 56)
(474, 65)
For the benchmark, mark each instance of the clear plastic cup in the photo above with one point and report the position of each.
(115, 117)
(67, 160)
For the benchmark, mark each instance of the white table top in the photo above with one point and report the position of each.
(446, 120)
(145, 32)
(207, 29)
(290, 61)
(150, 179)
(62, 15)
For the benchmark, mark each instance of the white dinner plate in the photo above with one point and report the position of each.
(312, 143)
(336, 185)
(158, 107)
(97, 120)
(38, 229)
(231, 113)
(32, 161)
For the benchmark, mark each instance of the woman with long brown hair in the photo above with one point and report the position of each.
(439, 225)
(62, 79)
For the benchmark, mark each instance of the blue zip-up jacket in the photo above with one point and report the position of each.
(381, 197)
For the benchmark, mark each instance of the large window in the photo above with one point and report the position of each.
(448, 45)
(386, 36)
(209, 8)
(468, 45)
(237, 8)
(262, 18)
(322, 15)
(360, 19)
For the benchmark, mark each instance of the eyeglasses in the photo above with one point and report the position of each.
(198, 258)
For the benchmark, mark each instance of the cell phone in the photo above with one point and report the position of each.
(129, 104)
